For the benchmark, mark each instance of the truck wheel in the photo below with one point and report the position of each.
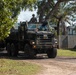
(52, 53)
(14, 52)
(8, 48)
(29, 52)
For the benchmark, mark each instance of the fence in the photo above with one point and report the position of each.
(67, 41)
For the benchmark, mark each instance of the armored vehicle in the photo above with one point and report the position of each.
(33, 39)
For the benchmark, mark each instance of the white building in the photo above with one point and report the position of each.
(71, 30)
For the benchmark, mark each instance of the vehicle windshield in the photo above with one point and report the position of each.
(37, 26)
(31, 26)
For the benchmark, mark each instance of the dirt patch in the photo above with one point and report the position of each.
(56, 66)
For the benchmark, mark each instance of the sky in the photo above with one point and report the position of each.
(26, 15)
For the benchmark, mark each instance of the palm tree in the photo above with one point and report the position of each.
(65, 11)
(58, 12)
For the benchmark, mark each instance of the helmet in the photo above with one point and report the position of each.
(33, 14)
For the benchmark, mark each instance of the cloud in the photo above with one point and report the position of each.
(26, 15)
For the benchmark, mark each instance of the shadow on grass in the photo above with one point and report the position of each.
(21, 56)
(72, 49)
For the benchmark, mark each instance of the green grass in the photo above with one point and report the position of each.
(13, 67)
(65, 52)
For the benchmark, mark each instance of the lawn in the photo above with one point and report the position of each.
(66, 52)
(13, 67)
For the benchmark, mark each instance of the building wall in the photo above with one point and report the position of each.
(71, 41)
(63, 41)
(67, 41)
(71, 31)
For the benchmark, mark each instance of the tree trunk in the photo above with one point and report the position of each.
(55, 8)
(58, 28)
(41, 17)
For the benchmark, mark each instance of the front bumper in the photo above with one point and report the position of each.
(44, 46)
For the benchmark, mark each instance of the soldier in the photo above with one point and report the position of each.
(44, 26)
(33, 19)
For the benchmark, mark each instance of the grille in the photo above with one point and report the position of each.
(44, 40)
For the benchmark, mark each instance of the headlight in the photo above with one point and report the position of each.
(54, 41)
(33, 42)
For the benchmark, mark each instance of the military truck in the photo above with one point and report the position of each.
(31, 39)
(2, 45)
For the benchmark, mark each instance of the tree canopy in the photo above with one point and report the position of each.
(9, 10)
(58, 11)
(55, 10)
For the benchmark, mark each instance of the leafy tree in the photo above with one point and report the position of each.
(9, 10)
(65, 11)
(44, 6)
(56, 10)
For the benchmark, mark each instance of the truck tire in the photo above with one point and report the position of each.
(8, 48)
(52, 53)
(29, 52)
(14, 52)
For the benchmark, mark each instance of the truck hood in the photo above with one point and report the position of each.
(39, 32)
(44, 32)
